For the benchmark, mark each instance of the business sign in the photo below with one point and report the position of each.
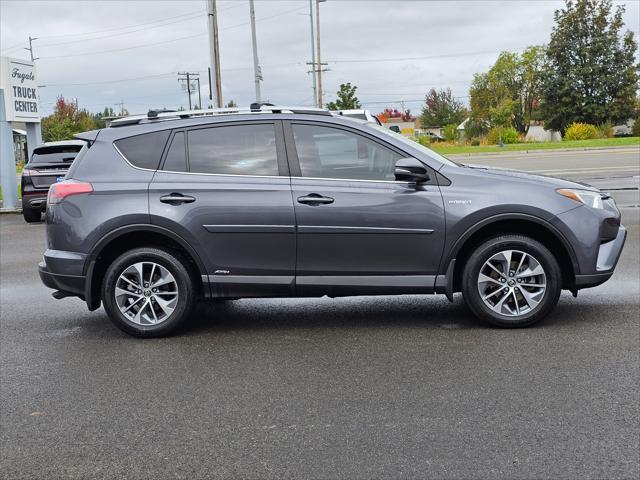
(18, 80)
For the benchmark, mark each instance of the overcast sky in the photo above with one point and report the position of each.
(394, 51)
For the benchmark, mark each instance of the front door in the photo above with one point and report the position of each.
(226, 190)
(359, 230)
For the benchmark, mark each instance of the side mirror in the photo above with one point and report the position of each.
(411, 170)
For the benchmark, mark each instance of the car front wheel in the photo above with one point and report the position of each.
(511, 281)
(148, 292)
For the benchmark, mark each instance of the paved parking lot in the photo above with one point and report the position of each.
(388, 387)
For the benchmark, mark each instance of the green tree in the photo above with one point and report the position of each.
(501, 116)
(66, 121)
(441, 108)
(99, 118)
(347, 99)
(516, 78)
(591, 75)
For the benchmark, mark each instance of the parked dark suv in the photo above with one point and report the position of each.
(48, 164)
(158, 211)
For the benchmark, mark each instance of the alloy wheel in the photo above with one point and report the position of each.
(512, 283)
(146, 293)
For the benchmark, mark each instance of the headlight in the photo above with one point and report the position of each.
(588, 197)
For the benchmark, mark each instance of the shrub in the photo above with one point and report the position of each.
(475, 128)
(450, 132)
(424, 140)
(509, 135)
(581, 131)
(606, 130)
(636, 128)
(475, 142)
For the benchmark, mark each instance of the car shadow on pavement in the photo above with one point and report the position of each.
(399, 312)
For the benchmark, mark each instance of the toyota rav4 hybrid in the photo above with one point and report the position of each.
(161, 210)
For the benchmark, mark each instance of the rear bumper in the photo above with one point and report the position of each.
(71, 284)
(608, 256)
(63, 271)
(35, 201)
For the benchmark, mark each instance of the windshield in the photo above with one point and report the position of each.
(55, 154)
(427, 151)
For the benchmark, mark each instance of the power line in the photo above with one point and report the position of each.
(122, 28)
(123, 33)
(426, 57)
(159, 75)
(160, 42)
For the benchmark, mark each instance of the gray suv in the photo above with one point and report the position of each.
(161, 210)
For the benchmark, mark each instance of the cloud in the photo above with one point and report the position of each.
(85, 48)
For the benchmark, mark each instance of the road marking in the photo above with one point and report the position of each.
(588, 169)
(541, 154)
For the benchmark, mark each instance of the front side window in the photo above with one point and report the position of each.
(234, 150)
(327, 152)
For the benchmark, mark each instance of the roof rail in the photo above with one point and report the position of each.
(161, 115)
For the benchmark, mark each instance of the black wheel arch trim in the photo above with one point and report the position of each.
(459, 243)
(101, 244)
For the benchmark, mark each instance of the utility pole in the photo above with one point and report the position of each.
(31, 39)
(187, 77)
(256, 67)
(215, 86)
(199, 96)
(313, 56)
(319, 61)
(122, 109)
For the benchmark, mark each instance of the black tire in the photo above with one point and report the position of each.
(31, 215)
(184, 280)
(484, 252)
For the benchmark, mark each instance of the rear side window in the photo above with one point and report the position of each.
(144, 151)
(55, 154)
(234, 149)
(176, 160)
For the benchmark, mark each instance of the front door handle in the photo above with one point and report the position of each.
(315, 199)
(176, 199)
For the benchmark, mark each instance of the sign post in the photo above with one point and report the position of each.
(18, 103)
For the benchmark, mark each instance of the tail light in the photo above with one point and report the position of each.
(26, 172)
(60, 191)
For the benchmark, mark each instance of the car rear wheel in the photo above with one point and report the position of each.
(148, 292)
(31, 215)
(511, 281)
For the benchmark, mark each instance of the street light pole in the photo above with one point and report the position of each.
(256, 67)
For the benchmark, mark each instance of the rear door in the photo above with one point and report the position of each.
(226, 189)
(359, 230)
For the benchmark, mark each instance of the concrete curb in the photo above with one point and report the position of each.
(10, 210)
(631, 148)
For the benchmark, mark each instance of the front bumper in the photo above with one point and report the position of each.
(608, 256)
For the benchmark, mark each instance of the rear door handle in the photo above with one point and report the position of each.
(176, 199)
(315, 199)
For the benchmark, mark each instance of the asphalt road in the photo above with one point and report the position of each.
(388, 387)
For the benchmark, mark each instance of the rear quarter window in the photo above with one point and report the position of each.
(143, 151)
